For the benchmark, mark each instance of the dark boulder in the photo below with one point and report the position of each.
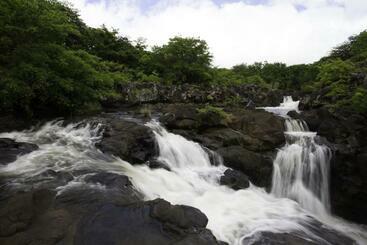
(180, 116)
(264, 130)
(110, 180)
(255, 130)
(10, 150)
(180, 215)
(129, 140)
(154, 222)
(257, 166)
(154, 164)
(234, 179)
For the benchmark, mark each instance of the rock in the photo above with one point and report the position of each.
(18, 211)
(294, 115)
(256, 166)
(16, 214)
(180, 215)
(234, 179)
(10, 150)
(110, 180)
(150, 92)
(180, 116)
(264, 130)
(154, 222)
(215, 138)
(158, 164)
(255, 130)
(295, 238)
(128, 140)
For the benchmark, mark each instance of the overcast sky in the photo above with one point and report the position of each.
(237, 31)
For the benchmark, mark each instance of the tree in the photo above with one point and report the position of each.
(43, 71)
(183, 60)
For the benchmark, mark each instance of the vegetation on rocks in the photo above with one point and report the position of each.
(210, 115)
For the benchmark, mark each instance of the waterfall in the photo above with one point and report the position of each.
(301, 167)
(192, 180)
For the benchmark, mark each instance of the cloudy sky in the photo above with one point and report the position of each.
(237, 31)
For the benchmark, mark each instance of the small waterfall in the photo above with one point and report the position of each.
(301, 167)
(192, 180)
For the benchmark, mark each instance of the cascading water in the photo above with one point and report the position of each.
(192, 180)
(301, 167)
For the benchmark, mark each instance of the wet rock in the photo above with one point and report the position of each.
(18, 211)
(180, 215)
(154, 164)
(131, 141)
(296, 238)
(146, 223)
(294, 115)
(257, 166)
(255, 130)
(234, 179)
(110, 180)
(16, 214)
(265, 130)
(10, 150)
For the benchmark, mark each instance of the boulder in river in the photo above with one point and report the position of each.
(10, 150)
(153, 222)
(257, 166)
(234, 179)
(129, 140)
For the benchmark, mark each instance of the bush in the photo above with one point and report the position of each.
(359, 100)
(211, 116)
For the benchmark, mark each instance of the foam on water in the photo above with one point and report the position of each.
(193, 180)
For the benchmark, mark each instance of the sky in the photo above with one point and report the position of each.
(237, 31)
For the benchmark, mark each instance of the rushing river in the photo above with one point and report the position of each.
(299, 194)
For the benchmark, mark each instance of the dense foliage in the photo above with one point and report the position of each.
(51, 63)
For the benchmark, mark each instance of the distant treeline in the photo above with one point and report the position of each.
(52, 64)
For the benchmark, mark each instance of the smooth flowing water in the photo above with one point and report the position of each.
(193, 180)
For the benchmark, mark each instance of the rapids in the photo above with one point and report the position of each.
(193, 180)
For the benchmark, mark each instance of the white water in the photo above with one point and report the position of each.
(192, 180)
(301, 167)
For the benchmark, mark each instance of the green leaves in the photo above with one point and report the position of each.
(182, 60)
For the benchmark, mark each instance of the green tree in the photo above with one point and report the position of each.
(183, 60)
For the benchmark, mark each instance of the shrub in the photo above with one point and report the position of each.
(210, 115)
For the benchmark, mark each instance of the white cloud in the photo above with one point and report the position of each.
(235, 31)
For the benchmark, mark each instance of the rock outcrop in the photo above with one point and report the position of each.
(10, 150)
(247, 142)
(132, 141)
(245, 95)
(88, 214)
